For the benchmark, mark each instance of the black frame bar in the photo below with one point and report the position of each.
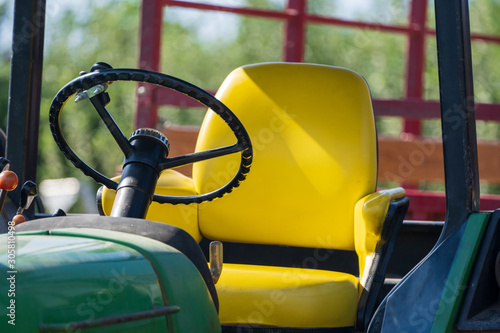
(25, 91)
(457, 112)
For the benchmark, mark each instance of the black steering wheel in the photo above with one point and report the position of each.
(92, 85)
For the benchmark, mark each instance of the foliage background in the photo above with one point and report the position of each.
(203, 47)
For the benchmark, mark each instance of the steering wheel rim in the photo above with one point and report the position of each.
(99, 77)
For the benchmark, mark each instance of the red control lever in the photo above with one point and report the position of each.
(8, 180)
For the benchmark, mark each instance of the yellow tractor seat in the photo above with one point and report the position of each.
(312, 184)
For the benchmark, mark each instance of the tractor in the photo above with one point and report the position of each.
(281, 227)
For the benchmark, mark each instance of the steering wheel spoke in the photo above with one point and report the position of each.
(178, 161)
(113, 128)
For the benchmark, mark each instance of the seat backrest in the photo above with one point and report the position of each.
(315, 155)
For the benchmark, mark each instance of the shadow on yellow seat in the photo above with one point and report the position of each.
(312, 184)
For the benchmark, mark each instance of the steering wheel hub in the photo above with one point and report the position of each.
(152, 134)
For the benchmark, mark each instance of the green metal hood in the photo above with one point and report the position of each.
(99, 281)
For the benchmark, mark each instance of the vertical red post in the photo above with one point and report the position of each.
(415, 60)
(146, 112)
(295, 31)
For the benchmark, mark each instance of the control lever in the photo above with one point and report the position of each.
(215, 260)
(28, 193)
(4, 164)
(8, 182)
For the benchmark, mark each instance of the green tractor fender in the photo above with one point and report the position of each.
(79, 279)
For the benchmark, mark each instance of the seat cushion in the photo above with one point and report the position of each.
(286, 297)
